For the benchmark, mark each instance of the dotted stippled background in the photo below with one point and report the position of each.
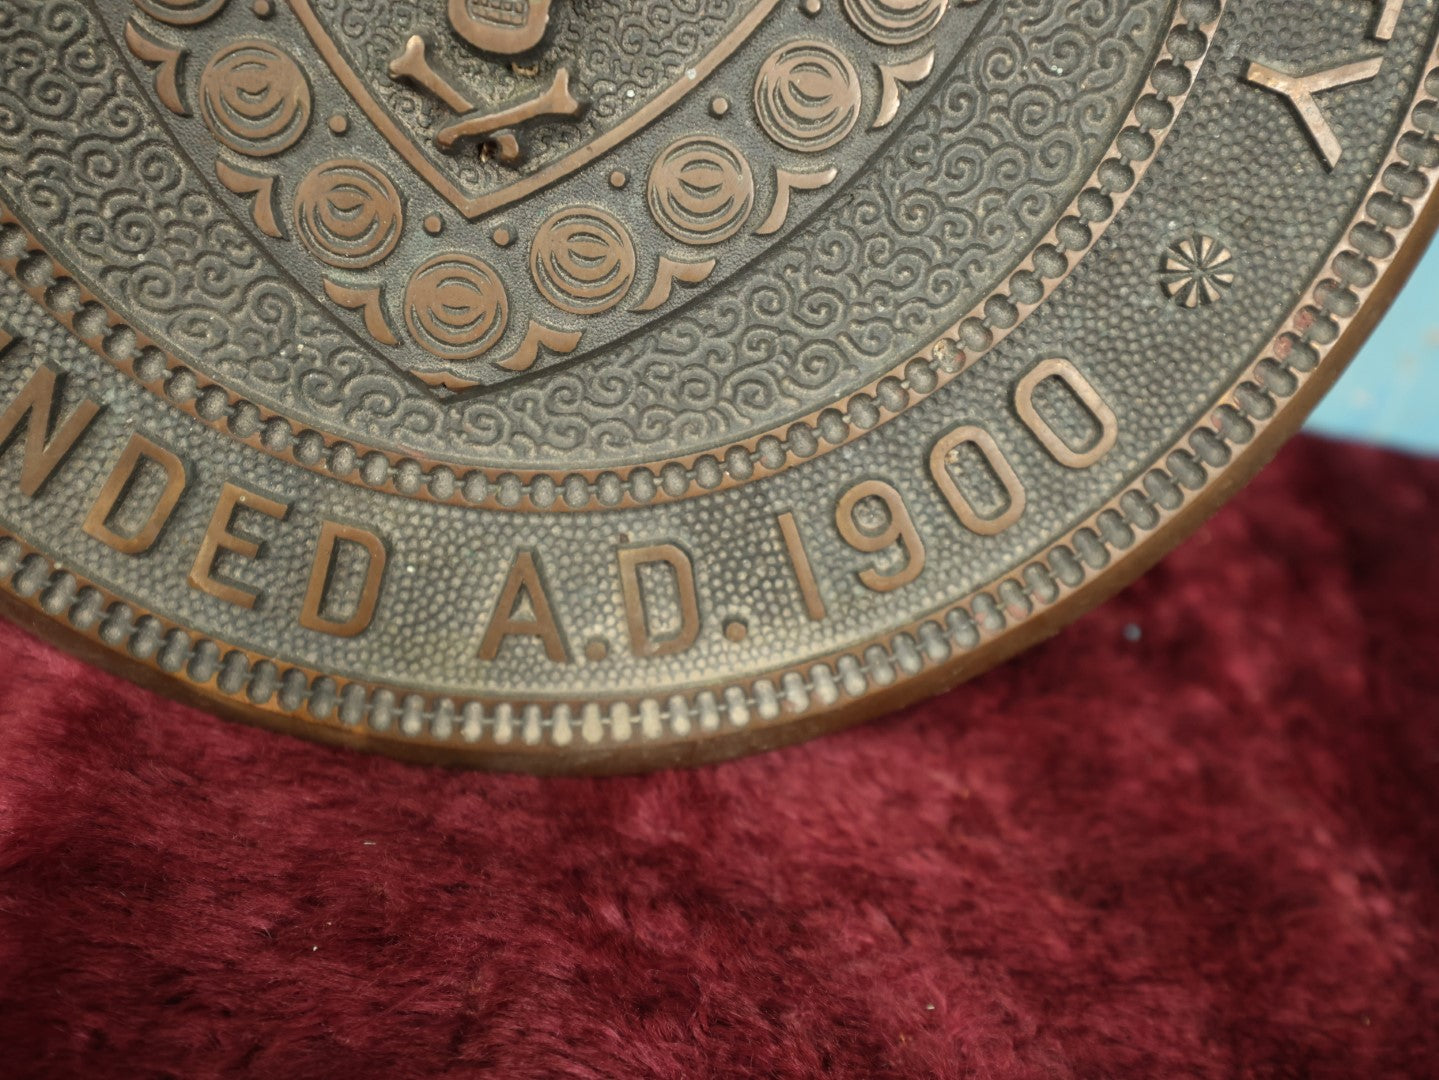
(1188, 387)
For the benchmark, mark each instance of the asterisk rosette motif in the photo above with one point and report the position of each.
(1196, 270)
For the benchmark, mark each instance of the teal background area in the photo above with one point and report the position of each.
(1390, 394)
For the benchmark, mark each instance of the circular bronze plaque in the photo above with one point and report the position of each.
(560, 385)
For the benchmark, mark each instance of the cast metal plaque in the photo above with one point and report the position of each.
(602, 384)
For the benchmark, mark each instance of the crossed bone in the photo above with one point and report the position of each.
(475, 122)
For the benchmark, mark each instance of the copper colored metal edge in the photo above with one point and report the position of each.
(1045, 623)
(1246, 456)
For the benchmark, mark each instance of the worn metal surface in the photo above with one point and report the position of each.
(564, 385)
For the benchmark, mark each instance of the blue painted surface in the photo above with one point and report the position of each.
(1390, 394)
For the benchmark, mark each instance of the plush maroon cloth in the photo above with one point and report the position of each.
(1197, 835)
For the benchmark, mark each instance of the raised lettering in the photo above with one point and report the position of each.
(119, 488)
(873, 536)
(219, 537)
(941, 459)
(803, 573)
(1300, 90)
(322, 575)
(1388, 19)
(48, 439)
(509, 621)
(1082, 389)
(642, 640)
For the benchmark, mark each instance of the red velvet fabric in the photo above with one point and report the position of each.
(1196, 835)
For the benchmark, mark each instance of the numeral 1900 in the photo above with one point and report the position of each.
(871, 516)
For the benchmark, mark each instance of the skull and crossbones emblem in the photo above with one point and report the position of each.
(501, 28)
